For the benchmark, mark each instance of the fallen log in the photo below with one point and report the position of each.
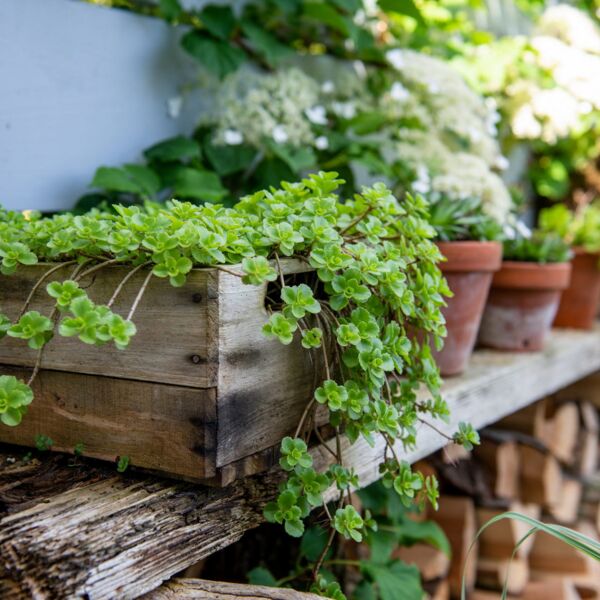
(201, 589)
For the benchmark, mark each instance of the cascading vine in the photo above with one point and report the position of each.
(375, 292)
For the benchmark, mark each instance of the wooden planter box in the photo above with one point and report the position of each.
(199, 394)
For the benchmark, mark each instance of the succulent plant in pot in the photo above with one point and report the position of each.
(467, 238)
(526, 292)
(581, 229)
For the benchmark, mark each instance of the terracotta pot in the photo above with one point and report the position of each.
(579, 302)
(522, 305)
(469, 269)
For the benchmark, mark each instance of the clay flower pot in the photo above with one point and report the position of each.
(522, 305)
(468, 269)
(579, 302)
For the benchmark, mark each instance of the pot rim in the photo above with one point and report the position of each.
(580, 250)
(470, 256)
(529, 275)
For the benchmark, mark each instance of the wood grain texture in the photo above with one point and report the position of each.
(172, 328)
(113, 536)
(263, 386)
(117, 537)
(160, 427)
(205, 335)
(196, 589)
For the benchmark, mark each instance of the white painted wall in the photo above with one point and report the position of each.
(80, 86)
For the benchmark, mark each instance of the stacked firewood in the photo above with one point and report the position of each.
(541, 462)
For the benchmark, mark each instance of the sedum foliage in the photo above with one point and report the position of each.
(375, 282)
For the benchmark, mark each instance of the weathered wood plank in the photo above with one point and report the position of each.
(196, 589)
(171, 344)
(166, 428)
(120, 537)
(263, 385)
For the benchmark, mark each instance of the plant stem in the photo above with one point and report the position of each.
(39, 282)
(356, 221)
(226, 270)
(97, 267)
(54, 318)
(439, 431)
(124, 281)
(139, 296)
(279, 269)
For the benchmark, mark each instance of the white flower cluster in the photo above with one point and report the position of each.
(442, 171)
(455, 150)
(570, 25)
(566, 45)
(282, 106)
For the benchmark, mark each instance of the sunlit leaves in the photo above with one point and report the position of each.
(13, 254)
(294, 452)
(257, 270)
(280, 327)
(15, 396)
(33, 327)
(64, 293)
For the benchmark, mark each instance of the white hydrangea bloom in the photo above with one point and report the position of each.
(275, 106)
(232, 137)
(322, 143)
(317, 114)
(566, 44)
(453, 174)
(574, 27)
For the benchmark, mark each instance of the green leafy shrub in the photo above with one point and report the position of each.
(577, 228)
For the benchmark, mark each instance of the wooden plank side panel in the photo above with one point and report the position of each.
(163, 428)
(171, 344)
(263, 385)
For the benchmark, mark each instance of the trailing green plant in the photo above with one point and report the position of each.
(373, 569)
(455, 220)
(579, 227)
(376, 280)
(540, 247)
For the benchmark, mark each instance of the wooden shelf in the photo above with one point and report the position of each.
(495, 385)
(84, 531)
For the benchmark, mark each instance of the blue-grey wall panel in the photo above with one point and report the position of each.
(80, 86)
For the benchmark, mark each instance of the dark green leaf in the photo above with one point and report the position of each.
(328, 15)
(170, 9)
(265, 43)
(297, 159)
(177, 148)
(393, 577)
(272, 171)
(404, 7)
(368, 122)
(134, 179)
(261, 576)
(426, 532)
(217, 56)
(201, 185)
(219, 20)
(382, 544)
(313, 542)
(228, 159)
